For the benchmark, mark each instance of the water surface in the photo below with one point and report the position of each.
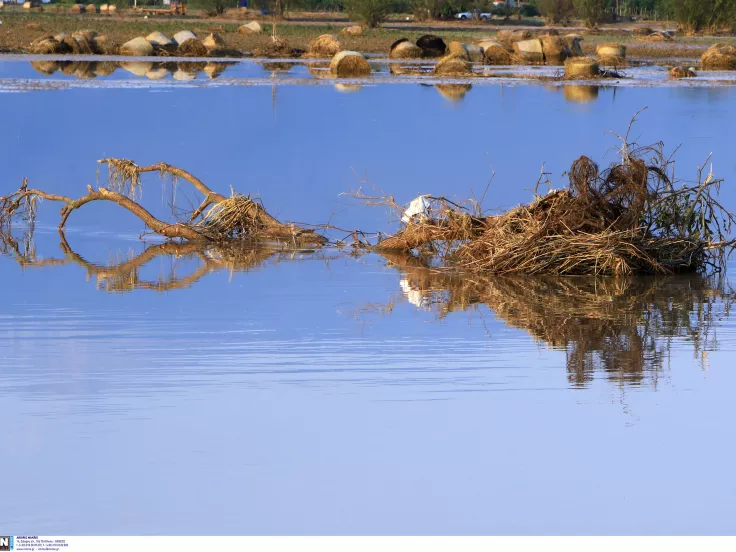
(216, 391)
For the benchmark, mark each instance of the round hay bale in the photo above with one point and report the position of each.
(530, 50)
(105, 68)
(27, 5)
(104, 8)
(139, 46)
(495, 53)
(475, 52)
(453, 66)
(86, 46)
(105, 46)
(159, 39)
(555, 50)
(504, 35)
(182, 36)
(682, 72)
(324, 45)
(112, 8)
(457, 48)
(254, 27)
(352, 30)
(192, 48)
(213, 41)
(581, 93)
(432, 45)
(349, 64)
(719, 57)
(138, 68)
(45, 67)
(157, 73)
(405, 50)
(454, 92)
(76, 8)
(86, 34)
(46, 45)
(517, 36)
(91, 8)
(582, 68)
(613, 54)
(71, 46)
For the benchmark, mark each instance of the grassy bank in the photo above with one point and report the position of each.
(19, 29)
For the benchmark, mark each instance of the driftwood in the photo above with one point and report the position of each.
(218, 218)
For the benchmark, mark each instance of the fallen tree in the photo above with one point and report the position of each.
(218, 218)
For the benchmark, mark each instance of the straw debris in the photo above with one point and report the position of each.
(634, 217)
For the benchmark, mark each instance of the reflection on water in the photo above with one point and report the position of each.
(581, 93)
(181, 71)
(123, 274)
(620, 327)
(454, 92)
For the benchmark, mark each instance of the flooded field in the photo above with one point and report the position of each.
(153, 388)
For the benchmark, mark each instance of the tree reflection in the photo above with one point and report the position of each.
(621, 327)
(124, 275)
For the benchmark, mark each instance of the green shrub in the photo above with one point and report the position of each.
(369, 12)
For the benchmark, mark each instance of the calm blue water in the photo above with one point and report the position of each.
(330, 394)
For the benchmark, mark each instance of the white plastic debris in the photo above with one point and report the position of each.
(418, 207)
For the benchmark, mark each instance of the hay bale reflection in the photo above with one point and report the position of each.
(454, 92)
(581, 93)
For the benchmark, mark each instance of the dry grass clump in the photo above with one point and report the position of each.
(719, 57)
(631, 218)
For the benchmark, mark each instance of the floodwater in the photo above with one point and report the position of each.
(160, 389)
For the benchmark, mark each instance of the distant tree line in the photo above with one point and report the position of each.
(691, 15)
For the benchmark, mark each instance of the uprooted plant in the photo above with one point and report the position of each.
(217, 218)
(633, 217)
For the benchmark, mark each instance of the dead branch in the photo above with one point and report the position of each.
(218, 218)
